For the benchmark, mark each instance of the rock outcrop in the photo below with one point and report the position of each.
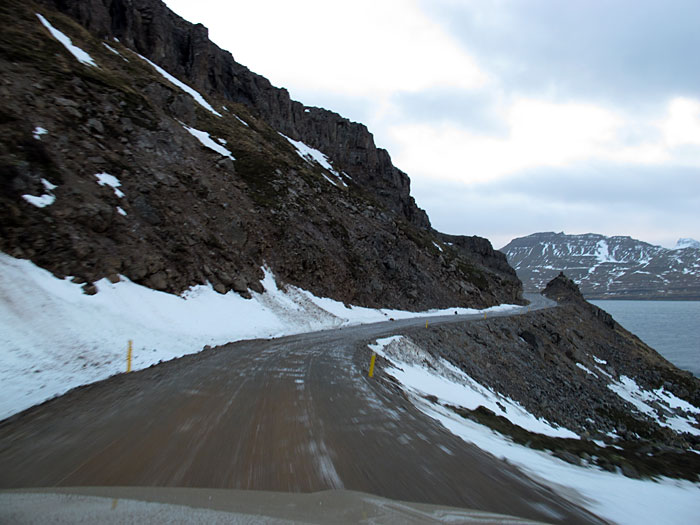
(565, 291)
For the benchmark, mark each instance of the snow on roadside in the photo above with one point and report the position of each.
(452, 386)
(54, 337)
(196, 95)
(359, 314)
(612, 496)
(74, 50)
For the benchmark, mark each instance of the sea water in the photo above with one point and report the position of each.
(672, 328)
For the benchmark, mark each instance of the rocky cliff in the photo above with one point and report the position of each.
(162, 159)
(184, 50)
(608, 267)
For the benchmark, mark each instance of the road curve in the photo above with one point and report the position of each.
(293, 414)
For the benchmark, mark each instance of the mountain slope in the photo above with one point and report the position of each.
(607, 267)
(162, 159)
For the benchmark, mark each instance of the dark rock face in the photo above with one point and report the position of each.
(480, 249)
(184, 50)
(189, 215)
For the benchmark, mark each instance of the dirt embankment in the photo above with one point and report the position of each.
(560, 364)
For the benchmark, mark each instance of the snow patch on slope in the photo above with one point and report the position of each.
(74, 50)
(110, 48)
(105, 179)
(239, 119)
(206, 141)
(686, 242)
(661, 406)
(38, 132)
(196, 95)
(311, 155)
(46, 199)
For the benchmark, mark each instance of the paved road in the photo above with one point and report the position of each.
(294, 414)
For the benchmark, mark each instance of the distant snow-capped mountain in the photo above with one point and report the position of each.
(608, 267)
(686, 243)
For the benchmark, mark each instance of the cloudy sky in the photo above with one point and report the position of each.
(510, 116)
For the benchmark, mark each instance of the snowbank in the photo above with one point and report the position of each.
(54, 337)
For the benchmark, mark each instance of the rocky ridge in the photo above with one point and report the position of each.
(173, 165)
(608, 267)
(184, 50)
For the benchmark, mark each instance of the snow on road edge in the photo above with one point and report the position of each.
(54, 337)
(609, 495)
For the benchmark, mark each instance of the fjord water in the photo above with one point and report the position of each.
(672, 328)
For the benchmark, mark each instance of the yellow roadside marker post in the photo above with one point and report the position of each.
(484, 315)
(128, 357)
(371, 364)
(426, 323)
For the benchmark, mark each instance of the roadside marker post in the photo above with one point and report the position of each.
(128, 357)
(426, 323)
(371, 364)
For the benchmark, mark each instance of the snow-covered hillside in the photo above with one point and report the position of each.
(606, 267)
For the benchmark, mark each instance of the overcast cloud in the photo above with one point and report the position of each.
(510, 117)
